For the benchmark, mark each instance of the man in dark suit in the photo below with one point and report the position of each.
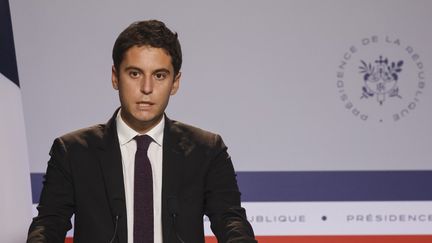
(93, 172)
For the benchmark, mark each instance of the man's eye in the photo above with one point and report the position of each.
(160, 76)
(134, 74)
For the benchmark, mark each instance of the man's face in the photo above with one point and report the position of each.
(145, 83)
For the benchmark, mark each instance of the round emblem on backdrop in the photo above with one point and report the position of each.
(381, 79)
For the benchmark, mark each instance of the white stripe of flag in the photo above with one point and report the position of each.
(15, 194)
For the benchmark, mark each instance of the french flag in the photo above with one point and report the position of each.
(15, 197)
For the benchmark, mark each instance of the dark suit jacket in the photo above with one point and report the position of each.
(84, 177)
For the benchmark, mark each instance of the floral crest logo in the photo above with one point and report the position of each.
(381, 79)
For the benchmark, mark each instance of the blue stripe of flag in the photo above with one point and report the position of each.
(8, 64)
(314, 186)
(336, 186)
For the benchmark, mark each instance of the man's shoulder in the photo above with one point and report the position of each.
(85, 136)
(194, 134)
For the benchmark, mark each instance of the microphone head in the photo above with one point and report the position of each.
(172, 205)
(117, 206)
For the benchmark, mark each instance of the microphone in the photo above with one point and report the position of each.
(115, 229)
(116, 208)
(172, 207)
(173, 211)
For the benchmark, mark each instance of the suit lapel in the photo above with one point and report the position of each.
(175, 148)
(111, 166)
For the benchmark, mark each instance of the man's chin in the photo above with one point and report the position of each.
(148, 119)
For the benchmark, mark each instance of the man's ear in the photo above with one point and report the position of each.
(114, 77)
(176, 84)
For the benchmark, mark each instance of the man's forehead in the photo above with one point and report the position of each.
(149, 47)
(149, 56)
(146, 49)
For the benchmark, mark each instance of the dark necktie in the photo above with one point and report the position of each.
(143, 193)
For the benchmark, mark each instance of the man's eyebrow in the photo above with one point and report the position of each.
(142, 71)
(133, 68)
(162, 70)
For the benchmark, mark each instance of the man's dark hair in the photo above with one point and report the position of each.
(153, 33)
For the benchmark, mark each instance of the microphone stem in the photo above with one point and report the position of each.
(115, 229)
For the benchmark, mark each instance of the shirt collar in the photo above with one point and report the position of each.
(126, 133)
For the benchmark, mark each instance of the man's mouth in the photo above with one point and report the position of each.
(144, 104)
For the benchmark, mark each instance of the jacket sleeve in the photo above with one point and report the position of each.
(222, 199)
(56, 204)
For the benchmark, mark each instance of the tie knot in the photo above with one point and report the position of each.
(143, 142)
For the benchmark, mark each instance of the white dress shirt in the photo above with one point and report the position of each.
(128, 148)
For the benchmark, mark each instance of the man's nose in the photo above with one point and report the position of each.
(146, 85)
